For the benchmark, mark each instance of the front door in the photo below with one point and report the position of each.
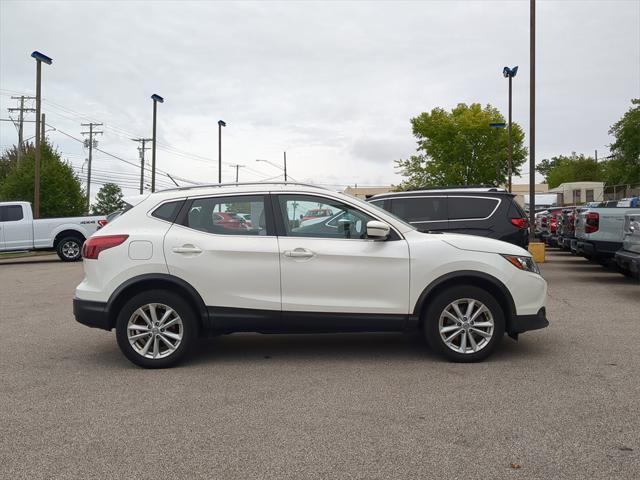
(329, 266)
(225, 248)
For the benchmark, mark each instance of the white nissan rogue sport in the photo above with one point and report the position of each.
(260, 257)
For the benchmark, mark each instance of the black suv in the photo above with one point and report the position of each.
(489, 212)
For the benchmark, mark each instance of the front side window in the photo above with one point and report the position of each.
(11, 213)
(320, 217)
(237, 215)
(420, 209)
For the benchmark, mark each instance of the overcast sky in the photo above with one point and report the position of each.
(332, 83)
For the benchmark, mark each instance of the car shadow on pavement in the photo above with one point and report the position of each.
(28, 261)
(345, 346)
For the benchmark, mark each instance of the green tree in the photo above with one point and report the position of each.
(460, 148)
(624, 166)
(61, 193)
(571, 168)
(108, 199)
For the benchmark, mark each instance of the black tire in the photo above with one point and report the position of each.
(437, 306)
(69, 249)
(176, 303)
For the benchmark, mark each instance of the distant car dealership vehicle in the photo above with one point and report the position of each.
(628, 257)
(167, 272)
(487, 212)
(20, 232)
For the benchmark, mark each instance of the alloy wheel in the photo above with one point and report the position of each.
(466, 326)
(70, 249)
(155, 330)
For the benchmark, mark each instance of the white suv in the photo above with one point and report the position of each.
(235, 258)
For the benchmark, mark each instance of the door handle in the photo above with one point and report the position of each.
(186, 249)
(299, 253)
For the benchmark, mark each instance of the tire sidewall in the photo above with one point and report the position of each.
(60, 245)
(434, 310)
(177, 303)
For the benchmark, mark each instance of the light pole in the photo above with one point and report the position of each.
(40, 57)
(510, 73)
(221, 123)
(156, 98)
(532, 120)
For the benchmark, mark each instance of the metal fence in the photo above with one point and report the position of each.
(617, 192)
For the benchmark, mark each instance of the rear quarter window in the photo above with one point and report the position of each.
(471, 208)
(168, 211)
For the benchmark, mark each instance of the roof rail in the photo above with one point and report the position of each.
(241, 184)
(490, 188)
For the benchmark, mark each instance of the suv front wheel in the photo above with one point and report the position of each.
(464, 324)
(156, 329)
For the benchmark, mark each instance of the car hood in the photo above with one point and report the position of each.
(476, 243)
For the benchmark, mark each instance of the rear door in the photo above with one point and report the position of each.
(16, 227)
(232, 266)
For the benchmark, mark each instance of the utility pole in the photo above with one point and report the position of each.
(532, 120)
(237, 167)
(141, 150)
(285, 167)
(43, 129)
(221, 123)
(22, 109)
(90, 143)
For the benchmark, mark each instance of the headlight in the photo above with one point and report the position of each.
(523, 263)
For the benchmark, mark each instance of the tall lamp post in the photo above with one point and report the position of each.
(40, 57)
(510, 73)
(156, 98)
(221, 123)
(532, 120)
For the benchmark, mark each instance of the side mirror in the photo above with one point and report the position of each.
(377, 230)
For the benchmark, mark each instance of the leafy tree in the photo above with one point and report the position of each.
(624, 167)
(460, 148)
(108, 199)
(61, 193)
(571, 168)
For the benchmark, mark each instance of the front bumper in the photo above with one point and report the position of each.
(524, 323)
(92, 314)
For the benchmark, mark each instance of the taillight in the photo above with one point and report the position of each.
(592, 223)
(102, 223)
(92, 247)
(521, 223)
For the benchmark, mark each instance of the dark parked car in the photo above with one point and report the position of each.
(488, 212)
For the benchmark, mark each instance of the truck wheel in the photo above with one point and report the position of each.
(156, 329)
(464, 324)
(69, 249)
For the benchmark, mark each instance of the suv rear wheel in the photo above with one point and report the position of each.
(464, 324)
(156, 329)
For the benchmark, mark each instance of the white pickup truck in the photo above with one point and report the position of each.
(20, 232)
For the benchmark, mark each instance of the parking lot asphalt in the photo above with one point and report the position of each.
(560, 403)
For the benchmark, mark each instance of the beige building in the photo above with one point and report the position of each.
(366, 192)
(576, 193)
(522, 189)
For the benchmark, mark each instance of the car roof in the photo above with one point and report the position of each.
(458, 191)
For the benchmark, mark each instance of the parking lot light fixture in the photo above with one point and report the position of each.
(156, 99)
(510, 73)
(40, 59)
(221, 123)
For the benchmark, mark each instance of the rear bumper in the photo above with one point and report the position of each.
(628, 260)
(597, 248)
(524, 323)
(92, 314)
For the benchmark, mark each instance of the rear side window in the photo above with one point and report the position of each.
(420, 209)
(11, 213)
(168, 211)
(471, 208)
(233, 215)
